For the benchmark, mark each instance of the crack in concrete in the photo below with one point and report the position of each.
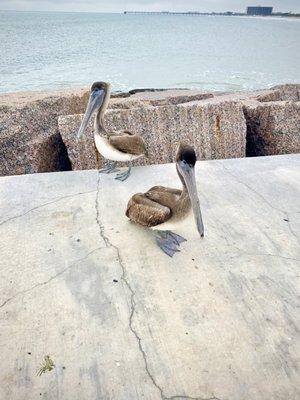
(127, 284)
(50, 279)
(43, 205)
(285, 213)
(133, 305)
(98, 220)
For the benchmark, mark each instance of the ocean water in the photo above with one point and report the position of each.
(41, 51)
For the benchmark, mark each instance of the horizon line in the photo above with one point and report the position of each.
(139, 11)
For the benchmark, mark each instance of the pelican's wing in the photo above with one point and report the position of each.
(128, 143)
(164, 196)
(144, 211)
(164, 189)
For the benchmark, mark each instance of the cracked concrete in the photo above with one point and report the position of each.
(48, 280)
(127, 284)
(287, 218)
(119, 319)
(42, 205)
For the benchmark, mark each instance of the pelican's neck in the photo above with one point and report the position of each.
(184, 192)
(99, 119)
(184, 201)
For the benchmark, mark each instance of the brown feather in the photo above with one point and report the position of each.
(163, 195)
(128, 143)
(146, 212)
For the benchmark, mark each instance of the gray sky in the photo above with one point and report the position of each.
(148, 5)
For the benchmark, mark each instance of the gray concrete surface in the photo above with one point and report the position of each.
(119, 319)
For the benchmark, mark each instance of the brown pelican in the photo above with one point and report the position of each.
(163, 208)
(114, 146)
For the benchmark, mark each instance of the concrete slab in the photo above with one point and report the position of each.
(119, 319)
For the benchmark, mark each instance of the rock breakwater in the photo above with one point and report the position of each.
(37, 131)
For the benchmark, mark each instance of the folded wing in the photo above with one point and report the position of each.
(128, 143)
(146, 212)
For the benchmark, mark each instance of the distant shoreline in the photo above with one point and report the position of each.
(186, 13)
(213, 14)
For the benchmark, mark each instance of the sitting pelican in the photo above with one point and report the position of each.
(163, 208)
(114, 146)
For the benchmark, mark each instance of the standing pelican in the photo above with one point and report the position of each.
(114, 146)
(163, 208)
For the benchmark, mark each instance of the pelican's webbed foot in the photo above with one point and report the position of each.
(122, 176)
(169, 242)
(110, 168)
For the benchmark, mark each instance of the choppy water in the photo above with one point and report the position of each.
(53, 50)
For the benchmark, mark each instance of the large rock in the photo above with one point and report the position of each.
(30, 140)
(272, 128)
(290, 92)
(29, 137)
(165, 97)
(216, 127)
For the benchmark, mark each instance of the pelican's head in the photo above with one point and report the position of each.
(98, 97)
(185, 163)
(105, 86)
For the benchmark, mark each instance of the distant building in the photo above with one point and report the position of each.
(259, 10)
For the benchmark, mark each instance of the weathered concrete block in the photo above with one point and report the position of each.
(215, 127)
(120, 319)
(272, 128)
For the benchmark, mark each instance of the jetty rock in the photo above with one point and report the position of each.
(38, 129)
(216, 128)
(29, 137)
(273, 128)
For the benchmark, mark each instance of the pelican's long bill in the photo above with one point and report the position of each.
(188, 173)
(95, 101)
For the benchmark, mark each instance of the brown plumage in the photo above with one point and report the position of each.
(158, 205)
(128, 142)
(145, 211)
(162, 208)
(123, 140)
(123, 146)
(161, 204)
